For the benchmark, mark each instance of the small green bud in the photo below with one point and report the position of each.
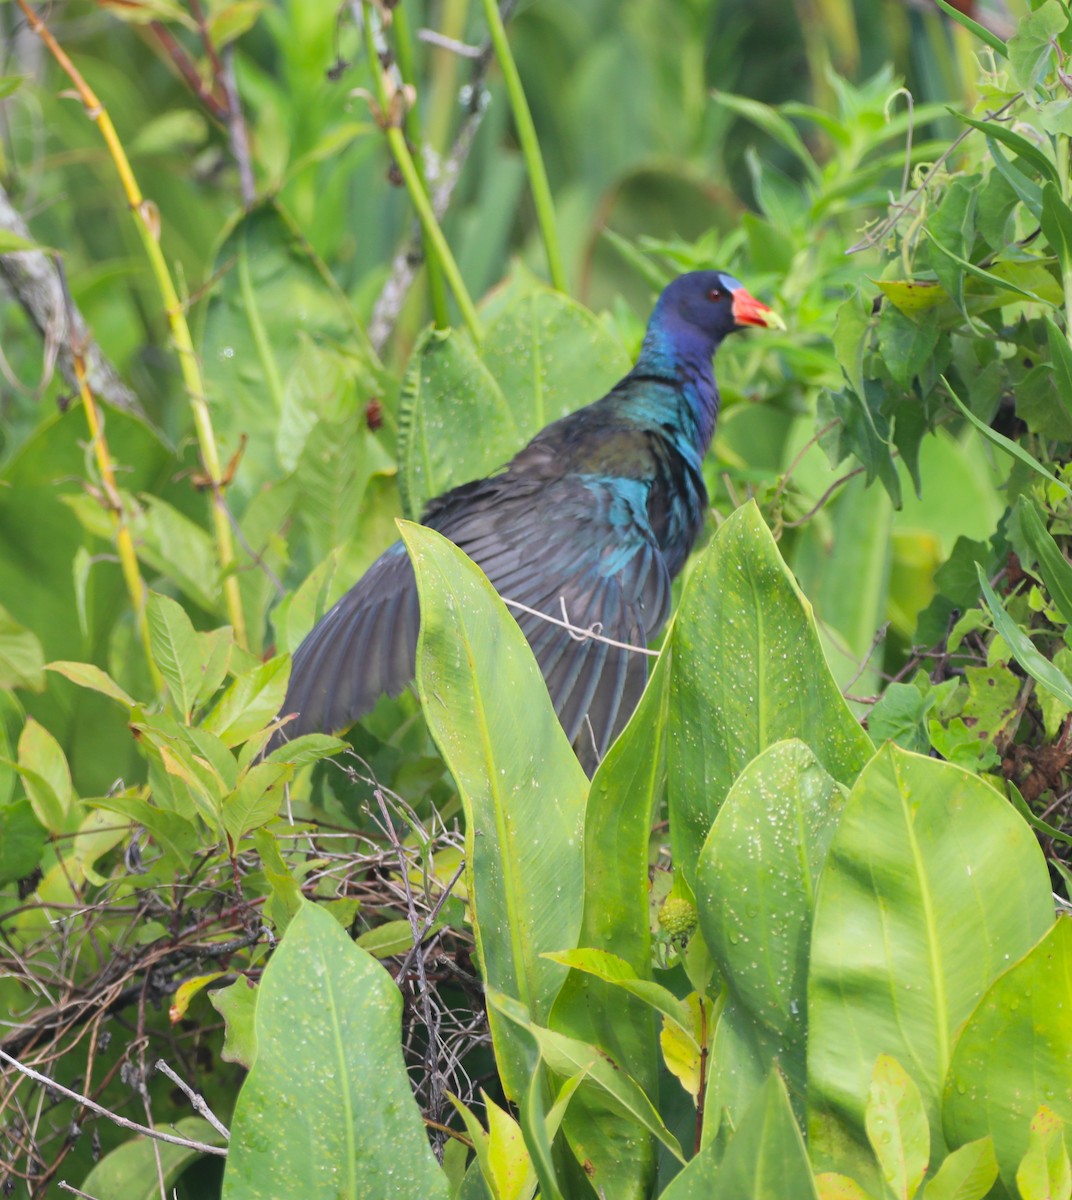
(677, 917)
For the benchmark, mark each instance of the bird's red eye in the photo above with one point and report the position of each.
(714, 294)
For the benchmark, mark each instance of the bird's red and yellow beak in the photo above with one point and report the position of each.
(747, 310)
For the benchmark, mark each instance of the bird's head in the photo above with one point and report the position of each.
(708, 305)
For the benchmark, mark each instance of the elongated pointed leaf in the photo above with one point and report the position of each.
(966, 1174)
(567, 1056)
(748, 671)
(897, 1127)
(327, 1109)
(766, 1160)
(999, 439)
(624, 795)
(931, 886)
(756, 881)
(45, 775)
(1014, 1053)
(1023, 648)
(1055, 569)
(521, 786)
(175, 650)
(1045, 1173)
(88, 676)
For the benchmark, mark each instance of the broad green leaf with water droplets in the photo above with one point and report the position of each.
(1014, 1052)
(756, 880)
(452, 413)
(932, 885)
(748, 671)
(624, 795)
(466, 412)
(521, 786)
(327, 1110)
(549, 355)
(765, 1160)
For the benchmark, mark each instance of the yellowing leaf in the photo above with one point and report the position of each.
(186, 991)
(681, 1052)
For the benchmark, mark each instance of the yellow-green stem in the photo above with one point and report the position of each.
(124, 542)
(396, 139)
(530, 146)
(404, 42)
(144, 217)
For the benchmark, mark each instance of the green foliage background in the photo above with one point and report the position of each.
(859, 717)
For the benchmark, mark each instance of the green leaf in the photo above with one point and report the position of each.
(919, 840)
(480, 688)
(1027, 190)
(906, 345)
(173, 832)
(1031, 46)
(12, 243)
(22, 840)
(756, 881)
(327, 1110)
(1016, 142)
(275, 306)
(991, 39)
(89, 676)
(9, 85)
(748, 671)
(622, 800)
(256, 800)
(852, 329)
(774, 125)
(999, 439)
(542, 357)
(45, 776)
(22, 660)
(1045, 1173)
(237, 1004)
(968, 1173)
(1001, 282)
(765, 1160)
(175, 651)
(1023, 649)
(1013, 1053)
(549, 355)
(447, 393)
(309, 748)
(616, 971)
(1061, 356)
(251, 701)
(1056, 215)
(133, 1171)
(1054, 568)
(896, 1124)
(832, 1186)
(567, 1056)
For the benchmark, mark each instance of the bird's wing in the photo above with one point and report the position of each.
(364, 646)
(574, 550)
(577, 550)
